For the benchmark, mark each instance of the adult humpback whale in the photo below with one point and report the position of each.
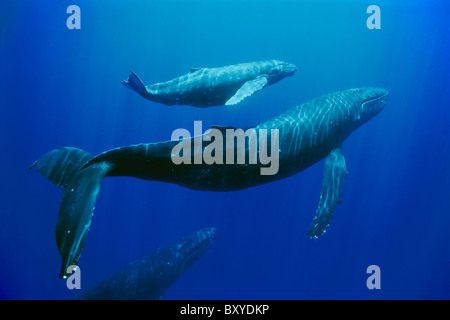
(307, 134)
(151, 276)
(206, 87)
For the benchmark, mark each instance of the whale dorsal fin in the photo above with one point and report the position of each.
(224, 128)
(334, 174)
(195, 69)
(249, 88)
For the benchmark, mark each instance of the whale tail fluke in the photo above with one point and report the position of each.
(76, 211)
(65, 167)
(60, 165)
(133, 82)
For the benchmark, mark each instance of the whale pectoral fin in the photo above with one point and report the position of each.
(334, 174)
(249, 88)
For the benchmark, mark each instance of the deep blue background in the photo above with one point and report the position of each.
(61, 87)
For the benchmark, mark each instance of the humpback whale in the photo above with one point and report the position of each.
(151, 276)
(206, 87)
(307, 134)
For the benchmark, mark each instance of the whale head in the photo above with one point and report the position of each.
(168, 263)
(281, 70)
(369, 102)
(190, 248)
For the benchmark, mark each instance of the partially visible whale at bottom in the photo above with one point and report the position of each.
(307, 134)
(151, 276)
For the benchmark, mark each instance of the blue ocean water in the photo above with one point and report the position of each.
(61, 87)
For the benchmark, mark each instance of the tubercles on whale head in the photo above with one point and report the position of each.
(192, 247)
(371, 101)
(281, 70)
(288, 69)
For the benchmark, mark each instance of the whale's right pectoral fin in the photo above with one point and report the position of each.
(249, 88)
(334, 174)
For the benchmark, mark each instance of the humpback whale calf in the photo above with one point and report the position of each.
(151, 276)
(207, 87)
(307, 134)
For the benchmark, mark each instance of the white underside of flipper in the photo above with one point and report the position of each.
(249, 88)
(334, 174)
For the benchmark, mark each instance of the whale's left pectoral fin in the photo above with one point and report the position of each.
(249, 88)
(334, 174)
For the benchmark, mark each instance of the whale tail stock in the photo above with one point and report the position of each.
(133, 82)
(64, 168)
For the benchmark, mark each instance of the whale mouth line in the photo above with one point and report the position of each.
(379, 98)
(376, 98)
